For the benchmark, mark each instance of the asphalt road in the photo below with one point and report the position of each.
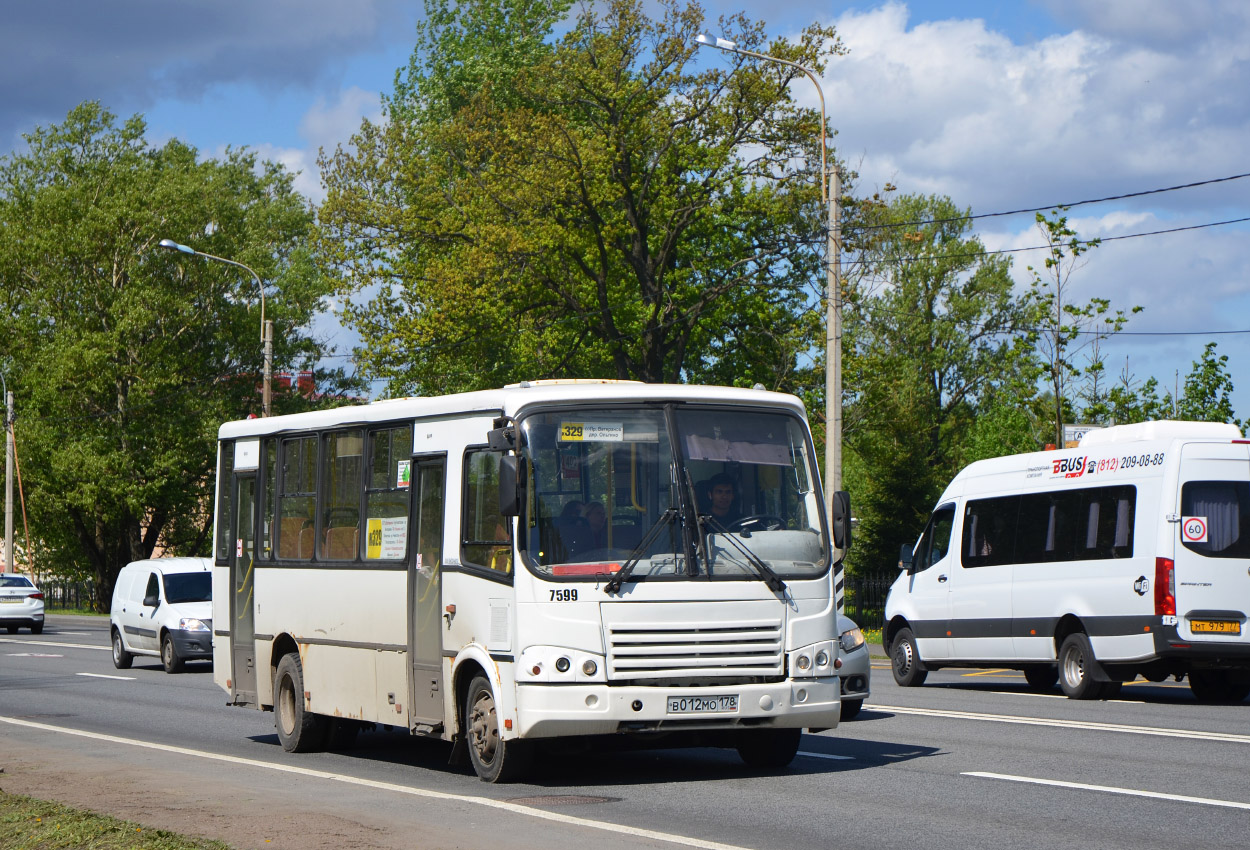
(971, 760)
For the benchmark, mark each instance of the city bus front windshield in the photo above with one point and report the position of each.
(608, 487)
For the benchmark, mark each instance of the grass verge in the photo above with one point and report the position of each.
(30, 824)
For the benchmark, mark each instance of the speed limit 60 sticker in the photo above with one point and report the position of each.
(1194, 529)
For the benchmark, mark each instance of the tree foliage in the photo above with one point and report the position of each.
(594, 205)
(935, 335)
(124, 357)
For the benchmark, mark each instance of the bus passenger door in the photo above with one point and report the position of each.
(242, 600)
(425, 585)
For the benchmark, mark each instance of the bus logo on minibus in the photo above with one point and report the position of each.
(1069, 467)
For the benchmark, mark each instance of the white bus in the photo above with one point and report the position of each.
(548, 559)
(1126, 556)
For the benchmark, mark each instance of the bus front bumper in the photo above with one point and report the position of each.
(548, 711)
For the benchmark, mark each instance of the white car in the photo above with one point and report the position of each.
(21, 604)
(163, 607)
(856, 666)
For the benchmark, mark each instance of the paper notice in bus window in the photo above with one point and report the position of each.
(592, 432)
(403, 475)
(387, 538)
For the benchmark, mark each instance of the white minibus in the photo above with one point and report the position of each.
(1127, 556)
(550, 559)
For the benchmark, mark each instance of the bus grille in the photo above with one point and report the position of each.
(702, 651)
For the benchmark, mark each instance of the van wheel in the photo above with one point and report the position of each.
(169, 655)
(121, 658)
(1075, 657)
(494, 759)
(300, 731)
(1041, 677)
(769, 749)
(905, 660)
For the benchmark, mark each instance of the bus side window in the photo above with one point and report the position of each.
(486, 535)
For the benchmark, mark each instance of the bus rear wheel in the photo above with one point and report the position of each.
(299, 730)
(494, 759)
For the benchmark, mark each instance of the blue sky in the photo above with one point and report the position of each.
(999, 105)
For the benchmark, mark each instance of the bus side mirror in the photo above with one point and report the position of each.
(904, 558)
(509, 485)
(840, 519)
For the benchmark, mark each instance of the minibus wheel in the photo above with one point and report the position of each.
(1075, 659)
(1218, 686)
(300, 731)
(1041, 677)
(494, 759)
(905, 660)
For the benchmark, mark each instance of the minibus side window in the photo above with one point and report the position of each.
(989, 531)
(936, 540)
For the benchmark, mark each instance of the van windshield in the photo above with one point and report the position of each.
(189, 587)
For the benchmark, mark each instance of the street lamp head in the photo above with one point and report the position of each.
(174, 246)
(711, 41)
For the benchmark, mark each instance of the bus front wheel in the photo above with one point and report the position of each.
(494, 759)
(299, 730)
(769, 749)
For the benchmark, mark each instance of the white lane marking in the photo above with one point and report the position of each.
(54, 643)
(827, 756)
(104, 676)
(1027, 694)
(33, 655)
(1109, 789)
(514, 808)
(74, 634)
(1192, 734)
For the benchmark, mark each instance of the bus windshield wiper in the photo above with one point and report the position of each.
(770, 578)
(614, 583)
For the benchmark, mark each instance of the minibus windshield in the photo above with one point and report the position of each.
(713, 492)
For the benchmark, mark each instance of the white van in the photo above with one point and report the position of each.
(1127, 556)
(163, 607)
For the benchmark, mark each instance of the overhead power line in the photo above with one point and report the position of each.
(1064, 205)
(1101, 239)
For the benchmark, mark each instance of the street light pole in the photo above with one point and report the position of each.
(833, 294)
(266, 328)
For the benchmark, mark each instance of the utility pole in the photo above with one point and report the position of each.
(9, 561)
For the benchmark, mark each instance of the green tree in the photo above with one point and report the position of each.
(935, 335)
(593, 205)
(1208, 388)
(1068, 329)
(124, 357)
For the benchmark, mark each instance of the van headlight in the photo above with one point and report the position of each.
(851, 639)
(191, 624)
